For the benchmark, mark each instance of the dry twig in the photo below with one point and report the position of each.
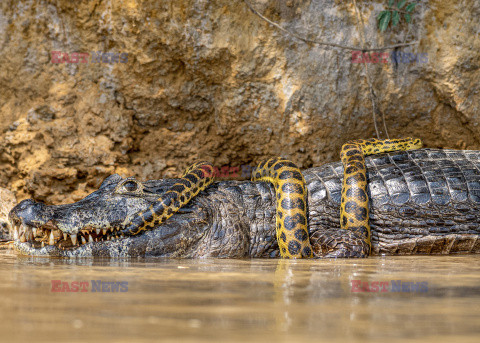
(313, 41)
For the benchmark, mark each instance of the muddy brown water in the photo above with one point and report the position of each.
(222, 300)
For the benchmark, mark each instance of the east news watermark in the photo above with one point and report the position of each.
(230, 172)
(393, 286)
(93, 286)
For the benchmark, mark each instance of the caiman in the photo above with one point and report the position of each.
(421, 201)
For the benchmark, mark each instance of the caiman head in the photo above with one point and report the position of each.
(92, 226)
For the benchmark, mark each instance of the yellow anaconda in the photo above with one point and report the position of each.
(196, 178)
(291, 219)
(291, 195)
(354, 205)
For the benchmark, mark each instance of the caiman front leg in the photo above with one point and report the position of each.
(354, 237)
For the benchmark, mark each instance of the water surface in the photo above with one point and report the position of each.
(218, 300)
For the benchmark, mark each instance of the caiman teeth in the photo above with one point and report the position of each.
(28, 234)
(51, 240)
(23, 229)
(50, 234)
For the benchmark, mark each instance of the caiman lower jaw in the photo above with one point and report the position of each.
(50, 235)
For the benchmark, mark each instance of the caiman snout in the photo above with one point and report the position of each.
(27, 212)
(39, 224)
(31, 220)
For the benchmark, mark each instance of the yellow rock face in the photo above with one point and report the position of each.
(166, 83)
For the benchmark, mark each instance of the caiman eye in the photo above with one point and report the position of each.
(130, 186)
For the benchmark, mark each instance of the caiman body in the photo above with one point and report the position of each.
(421, 202)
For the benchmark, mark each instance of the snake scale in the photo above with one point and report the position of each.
(291, 195)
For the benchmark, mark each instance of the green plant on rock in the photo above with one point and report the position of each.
(394, 12)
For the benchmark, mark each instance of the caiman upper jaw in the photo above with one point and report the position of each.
(40, 231)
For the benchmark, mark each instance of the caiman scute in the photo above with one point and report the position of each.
(421, 202)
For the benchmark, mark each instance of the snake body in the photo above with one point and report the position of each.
(291, 217)
(196, 178)
(354, 206)
(291, 195)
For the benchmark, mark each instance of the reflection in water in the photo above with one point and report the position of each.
(241, 300)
